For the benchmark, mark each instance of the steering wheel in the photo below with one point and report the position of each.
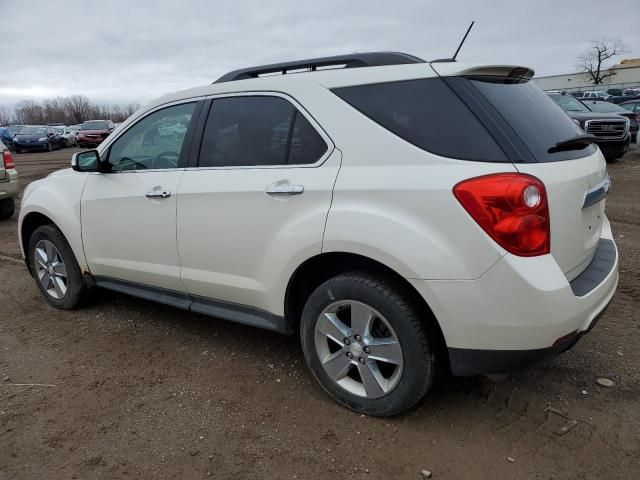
(166, 159)
(132, 161)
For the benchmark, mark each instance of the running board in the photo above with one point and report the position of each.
(232, 312)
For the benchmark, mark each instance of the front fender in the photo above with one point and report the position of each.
(58, 198)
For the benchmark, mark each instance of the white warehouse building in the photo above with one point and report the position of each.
(627, 75)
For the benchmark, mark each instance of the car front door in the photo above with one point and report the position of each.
(257, 201)
(129, 214)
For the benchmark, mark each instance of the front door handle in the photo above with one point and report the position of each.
(284, 189)
(158, 194)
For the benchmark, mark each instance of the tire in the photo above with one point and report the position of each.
(74, 283)
(49, 148)
(7, 208)
(405, 383)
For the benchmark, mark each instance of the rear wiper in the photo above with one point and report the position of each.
(573, 143)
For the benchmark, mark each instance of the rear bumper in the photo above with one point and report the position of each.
(467, 362)
(9, 186)
(521, 311)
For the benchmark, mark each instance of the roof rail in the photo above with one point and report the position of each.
(355, 60)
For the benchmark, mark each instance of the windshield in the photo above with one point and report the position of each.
(58, 129)
(15, 129)
(605, 107)
(95, 125)
(33, 131)
(569, 103)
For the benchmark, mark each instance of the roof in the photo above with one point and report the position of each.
(414, 68)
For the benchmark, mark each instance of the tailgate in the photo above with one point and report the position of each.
(575, 189)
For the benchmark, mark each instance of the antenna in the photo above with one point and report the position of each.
(462, 42)
(453, 59)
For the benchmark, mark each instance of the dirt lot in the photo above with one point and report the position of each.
(140, 390)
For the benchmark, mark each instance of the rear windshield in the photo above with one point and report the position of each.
(534, 117)
(430, 114)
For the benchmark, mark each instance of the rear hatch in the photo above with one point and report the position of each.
(528, 125)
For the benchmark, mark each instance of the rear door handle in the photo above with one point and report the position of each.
(158, 194)
(284, 189)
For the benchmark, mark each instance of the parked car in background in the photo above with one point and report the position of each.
(614, 92)
(593, 94)
(345, 207)
(67, 135)
(6, 137)
(37, 137)
(610, 130)
(627, 95)
(602, 106)
(93, 132)
(8, 183)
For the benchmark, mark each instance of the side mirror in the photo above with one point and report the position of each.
(87, 161)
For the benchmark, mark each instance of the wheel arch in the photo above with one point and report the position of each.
(317, 269)
(33, 220)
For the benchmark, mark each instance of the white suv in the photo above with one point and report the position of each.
(402, 216)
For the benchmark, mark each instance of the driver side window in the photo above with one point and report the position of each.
(155, 142)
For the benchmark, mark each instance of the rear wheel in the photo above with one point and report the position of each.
(7, 208)
(54, 267)
(365, 344)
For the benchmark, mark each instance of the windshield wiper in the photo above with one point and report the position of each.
(574, 143)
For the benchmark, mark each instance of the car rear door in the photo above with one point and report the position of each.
(129, 214)
(255, 205)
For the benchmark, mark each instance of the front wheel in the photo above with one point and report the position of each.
(366, 345)
(54, 268)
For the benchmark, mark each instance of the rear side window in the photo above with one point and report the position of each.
(258, 131)
(428, 114)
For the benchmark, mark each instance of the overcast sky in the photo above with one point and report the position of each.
(131, 51)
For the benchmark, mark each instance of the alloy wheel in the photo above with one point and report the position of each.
(50, 269)
(358, 349)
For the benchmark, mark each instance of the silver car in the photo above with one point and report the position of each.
(8, 183)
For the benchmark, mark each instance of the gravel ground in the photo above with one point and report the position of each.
(139, 390)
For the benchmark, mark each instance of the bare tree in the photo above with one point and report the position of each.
(77, 108)
(30, 112)
(5, 116)
(67, 110)
(592, 62)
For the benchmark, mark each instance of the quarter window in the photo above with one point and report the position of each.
(258, 131)
(155, 142)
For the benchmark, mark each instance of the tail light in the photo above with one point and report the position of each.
(512, 208)
(7, 159)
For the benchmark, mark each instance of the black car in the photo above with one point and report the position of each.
(611, 130)
(37, 137)
(601, 106)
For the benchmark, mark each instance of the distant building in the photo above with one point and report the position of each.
(627, 75)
